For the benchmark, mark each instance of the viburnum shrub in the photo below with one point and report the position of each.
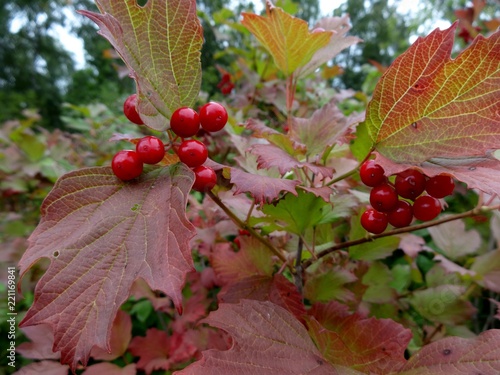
(277, 250)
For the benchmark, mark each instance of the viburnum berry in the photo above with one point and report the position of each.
(383, 198)
(213, 117)
(185, 122)
(126, 165)
(410, 184)
(440, 186)
(130, 110)
(151, 150)
(402, 215)
(205, 178)
(193, 153)
(372, 174)
(426, 208)
(374, 221)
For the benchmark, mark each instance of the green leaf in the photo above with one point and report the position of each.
(160, 43)
(371, 250)
(297, 212)
(329, 286)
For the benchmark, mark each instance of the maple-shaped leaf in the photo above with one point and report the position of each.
(287, 38)
(267, 340)
(324, 128)
(276, 289)
(456, 355)
(439, 113)
(338, 41)
(100, 235)
(160, 43)
(372, 346)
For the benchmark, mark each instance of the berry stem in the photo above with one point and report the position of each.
(244, 226)
(475, 211)
(299, 282)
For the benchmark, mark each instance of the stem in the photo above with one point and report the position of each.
(242, 225)
(342, 177)
(359, 241)
(298, 267)
(428, 339)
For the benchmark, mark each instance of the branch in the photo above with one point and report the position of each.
(298, 267)
(368, 238)
(242, 225)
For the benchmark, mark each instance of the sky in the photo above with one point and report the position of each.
(75, 45)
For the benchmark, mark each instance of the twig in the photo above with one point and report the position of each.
(298, 267)
(359, 241)
(242, 225)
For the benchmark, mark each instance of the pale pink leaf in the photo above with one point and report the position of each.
(338, 41)
(43, 367)
(454, 241)
(110, 369)
(40, 347)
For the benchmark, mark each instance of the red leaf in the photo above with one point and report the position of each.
(264, 189)
(160, 351)
(268, 340)
(374, 346)
(160, 42)
(276, 289)
(456, 355)
(102, 234)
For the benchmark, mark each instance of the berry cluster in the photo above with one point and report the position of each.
(385, 197)
(184, 123)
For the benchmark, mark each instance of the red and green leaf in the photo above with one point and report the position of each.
(254, 326)
(160, 43)
(102, 234)
(369, 345)
(439, 113)
(455, 355)
(287, 38)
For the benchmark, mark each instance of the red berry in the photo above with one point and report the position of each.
(192, 153)
(185, 122)
(372, 174)
(126, 165)
(426, 208)
(205, 178)
(383, 198)
(243, 232)
(130, 110)
(213, 117)
(410, 184)
(401, 216)
(151, 150)
(440, 186)
(374, 221)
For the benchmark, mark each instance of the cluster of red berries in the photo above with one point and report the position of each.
(184, 123)
(388, 208)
